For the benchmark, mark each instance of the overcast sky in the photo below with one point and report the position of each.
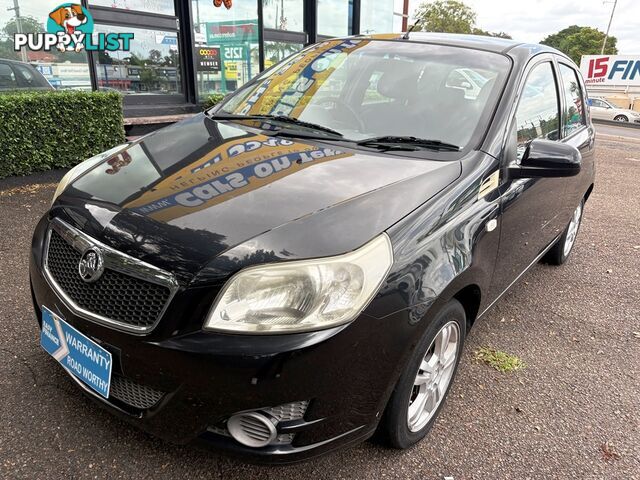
(532, 20)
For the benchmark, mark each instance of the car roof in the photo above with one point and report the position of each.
(7, 60)
(479, 42)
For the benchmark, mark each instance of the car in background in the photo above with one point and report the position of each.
(16, 75)
(601, 109)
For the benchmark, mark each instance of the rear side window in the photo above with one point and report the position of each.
(598, 103)
(538, 115)
(573, 114)
(7, 78)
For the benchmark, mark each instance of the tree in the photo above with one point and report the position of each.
(479, 31)
(575, 41)
(155, 56)
(29, 25)
(449, 16)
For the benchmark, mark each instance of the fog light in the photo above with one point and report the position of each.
(252, 429)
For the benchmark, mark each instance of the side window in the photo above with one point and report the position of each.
(597, 103)
(7, 78)
(538, 115)
(27, 75)
(573, 115)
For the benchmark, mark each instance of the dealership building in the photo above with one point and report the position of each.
(184, 51)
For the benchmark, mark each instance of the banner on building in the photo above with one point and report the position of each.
(611, 70)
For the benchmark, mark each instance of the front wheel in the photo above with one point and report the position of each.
(560, 252)
(422, 388)
(621, 118)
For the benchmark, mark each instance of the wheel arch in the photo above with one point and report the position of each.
(470, 298)
(588, 193)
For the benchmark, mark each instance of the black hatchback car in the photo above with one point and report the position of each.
(298, 267)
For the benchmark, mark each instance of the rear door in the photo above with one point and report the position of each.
(533, 209)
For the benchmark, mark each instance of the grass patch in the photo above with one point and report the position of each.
(501, 361)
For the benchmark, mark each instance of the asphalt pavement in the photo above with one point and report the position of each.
(572, 413)
(622, 132)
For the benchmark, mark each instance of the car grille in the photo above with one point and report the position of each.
(115, 296)
(133, 394)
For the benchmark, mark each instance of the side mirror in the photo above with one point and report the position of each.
(546, 158)
(466, 85)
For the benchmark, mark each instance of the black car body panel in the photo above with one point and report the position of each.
(451, 238)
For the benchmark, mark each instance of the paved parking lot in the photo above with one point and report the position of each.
(577, 328)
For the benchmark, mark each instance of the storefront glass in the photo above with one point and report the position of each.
(334, 17)
(164, 7)
(275, 52)
(152, 66)
(376, 16)
(283, 14)
(226, 51)
(64, 70)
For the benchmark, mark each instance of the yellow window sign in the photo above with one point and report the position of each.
(231, 70)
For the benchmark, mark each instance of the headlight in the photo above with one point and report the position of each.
(83, 167)
(302, 295)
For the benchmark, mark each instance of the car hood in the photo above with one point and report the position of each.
(205, 198)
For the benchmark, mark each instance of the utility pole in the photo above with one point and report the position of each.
(16, 8)
(606, 35)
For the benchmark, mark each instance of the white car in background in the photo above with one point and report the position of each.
(601, 109)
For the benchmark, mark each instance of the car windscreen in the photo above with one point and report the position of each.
(365, 88)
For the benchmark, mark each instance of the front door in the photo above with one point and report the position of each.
(533, 209)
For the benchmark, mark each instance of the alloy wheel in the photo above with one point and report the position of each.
(572, 230)
(433, 376)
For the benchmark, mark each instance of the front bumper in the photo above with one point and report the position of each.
(346, 373)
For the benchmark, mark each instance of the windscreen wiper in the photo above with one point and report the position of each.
(277, 118)
(407, 143)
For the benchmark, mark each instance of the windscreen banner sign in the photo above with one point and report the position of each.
(611, 69)
(293, 83)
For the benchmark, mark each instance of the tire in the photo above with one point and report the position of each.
(395, 427)
(560, 252)
(620, 118)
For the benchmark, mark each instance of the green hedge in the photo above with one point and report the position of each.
(212, 100)
(45, 130)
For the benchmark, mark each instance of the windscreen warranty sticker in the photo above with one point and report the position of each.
(78, 354)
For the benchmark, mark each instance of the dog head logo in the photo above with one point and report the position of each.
(227, 3)
(71, 22)
(69, 17)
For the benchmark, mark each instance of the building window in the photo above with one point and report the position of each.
(164, 7)
(64, 70)
(231, 35)
(151, 66)
(334, 17)
(283, 14)
(376, 16)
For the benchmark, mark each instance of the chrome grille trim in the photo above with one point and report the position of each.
(113, 260)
